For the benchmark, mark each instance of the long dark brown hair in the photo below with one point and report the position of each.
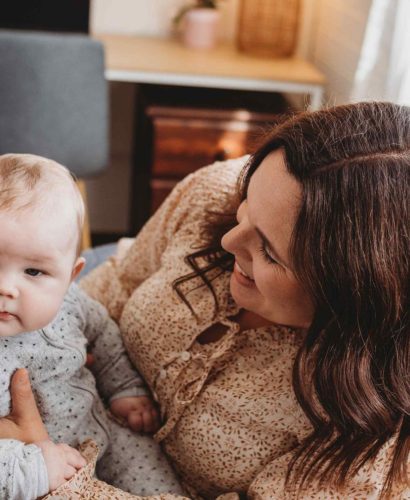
(350, 250)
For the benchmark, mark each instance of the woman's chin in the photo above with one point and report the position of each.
(249, 299)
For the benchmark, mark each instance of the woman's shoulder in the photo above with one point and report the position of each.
(221, 173)
(208, 189)
(211, 186)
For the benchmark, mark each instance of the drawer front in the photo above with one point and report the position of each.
(181, 146)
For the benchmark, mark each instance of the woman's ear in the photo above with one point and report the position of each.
(77, 268)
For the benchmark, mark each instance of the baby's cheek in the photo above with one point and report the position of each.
(41, 312)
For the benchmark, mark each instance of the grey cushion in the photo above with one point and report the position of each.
(96, 256)
(54, 99)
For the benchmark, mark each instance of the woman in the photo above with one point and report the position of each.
(280, 353)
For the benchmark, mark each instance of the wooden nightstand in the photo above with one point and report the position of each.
(181, 129)
(173, 138)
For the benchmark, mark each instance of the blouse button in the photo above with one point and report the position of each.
(162, 373)
(185, 356)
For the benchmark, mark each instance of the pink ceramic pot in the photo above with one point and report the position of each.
(201, 28)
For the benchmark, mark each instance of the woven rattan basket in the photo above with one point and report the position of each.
(268, 27)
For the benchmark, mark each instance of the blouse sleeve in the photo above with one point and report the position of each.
(366, 484)
(113, 282)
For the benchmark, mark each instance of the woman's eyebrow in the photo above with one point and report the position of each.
(271, 248)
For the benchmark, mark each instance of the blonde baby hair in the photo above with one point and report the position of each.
(28, 180)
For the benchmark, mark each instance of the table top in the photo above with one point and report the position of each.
(165, 60)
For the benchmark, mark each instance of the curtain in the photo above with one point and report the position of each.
(383, 72)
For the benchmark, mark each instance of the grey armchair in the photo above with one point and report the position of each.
(54, 100)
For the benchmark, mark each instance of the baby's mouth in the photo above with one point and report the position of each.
(6, 316)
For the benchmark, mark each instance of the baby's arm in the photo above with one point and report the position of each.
(23, 471)
(117, 380)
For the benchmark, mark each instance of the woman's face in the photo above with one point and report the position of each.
(263, 281)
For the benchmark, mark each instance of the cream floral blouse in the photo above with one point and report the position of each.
(230, 415)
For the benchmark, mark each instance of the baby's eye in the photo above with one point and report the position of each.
(33, 272)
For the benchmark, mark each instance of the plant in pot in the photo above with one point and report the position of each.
(199, 22)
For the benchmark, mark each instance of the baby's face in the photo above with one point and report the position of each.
(37, 265)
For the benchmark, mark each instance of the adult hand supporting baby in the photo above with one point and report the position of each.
(24, 422)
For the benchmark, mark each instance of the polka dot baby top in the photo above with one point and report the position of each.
(230, 417)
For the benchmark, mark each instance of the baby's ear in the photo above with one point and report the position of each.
(78, 266)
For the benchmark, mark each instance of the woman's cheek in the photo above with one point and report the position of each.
(272, 282)
(262, 276)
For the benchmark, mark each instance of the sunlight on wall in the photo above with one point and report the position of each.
(341, 26)
(150, 17)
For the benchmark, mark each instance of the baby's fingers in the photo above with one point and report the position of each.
(135, 421)
(69, 472)
(148, 420)
(155, 419)
(73, 457)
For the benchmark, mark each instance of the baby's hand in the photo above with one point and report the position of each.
(62, 462)
(139, 413)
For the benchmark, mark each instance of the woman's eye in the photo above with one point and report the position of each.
(266, 255)
(33, 272)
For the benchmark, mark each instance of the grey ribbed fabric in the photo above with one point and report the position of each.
(54, 99)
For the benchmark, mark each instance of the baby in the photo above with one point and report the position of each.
(46, 325)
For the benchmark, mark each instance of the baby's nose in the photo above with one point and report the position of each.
(8, 288)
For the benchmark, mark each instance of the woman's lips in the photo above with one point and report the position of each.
(242, 277)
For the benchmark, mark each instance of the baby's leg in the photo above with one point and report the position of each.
(136, 463)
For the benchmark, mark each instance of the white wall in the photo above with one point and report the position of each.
(336, 44)
(150, 17)
(331, 33)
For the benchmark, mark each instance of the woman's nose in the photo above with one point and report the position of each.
(236, 241)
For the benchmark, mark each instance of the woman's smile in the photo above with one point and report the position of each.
(242, 277)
